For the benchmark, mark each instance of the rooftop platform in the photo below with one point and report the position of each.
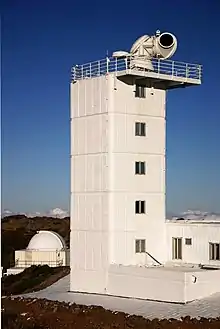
(171, 73)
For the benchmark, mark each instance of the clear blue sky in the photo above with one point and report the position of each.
(41, 40)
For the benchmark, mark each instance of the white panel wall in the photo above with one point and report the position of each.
(201, 234)
(152, 105)
(129, 226)
(152, 182)
(126, 187)
(207, 283)
(126, 141)
(151, 283)
(89, 184)
(104, 186)
(91, 134)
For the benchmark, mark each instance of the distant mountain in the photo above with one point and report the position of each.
(56, 213)
(187, 215)
(197, 215)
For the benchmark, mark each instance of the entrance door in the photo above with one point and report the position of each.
(176, 248)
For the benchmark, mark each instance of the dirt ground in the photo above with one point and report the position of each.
(20, 313)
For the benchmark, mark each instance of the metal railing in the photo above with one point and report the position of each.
(160, 66)
(27, 263)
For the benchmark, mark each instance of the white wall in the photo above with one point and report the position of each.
(89, 183)
(126, 187)
(162, 284)
(201, 234)
(146, 283)
(104, 186)
(206, 284)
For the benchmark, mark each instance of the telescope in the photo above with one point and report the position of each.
(146, 48)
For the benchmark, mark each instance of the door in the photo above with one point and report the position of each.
(176, 248)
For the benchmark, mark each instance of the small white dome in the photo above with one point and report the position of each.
(46, 240)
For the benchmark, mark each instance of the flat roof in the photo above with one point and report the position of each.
(192, 221)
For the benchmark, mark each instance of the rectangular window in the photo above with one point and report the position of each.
(139, 168)
(188, 241)
(140, 91)
(140, 246)
(140, 129)
(177, 248)
(214, 251)
(139, 207)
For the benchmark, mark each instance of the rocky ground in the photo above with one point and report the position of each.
(41, 313)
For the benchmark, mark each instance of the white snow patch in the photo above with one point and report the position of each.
(59, 213)
(197, 215)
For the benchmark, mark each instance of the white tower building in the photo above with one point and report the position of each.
(118, 126)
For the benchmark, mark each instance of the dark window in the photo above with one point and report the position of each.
(188, 241)
(140, 91)
(139, 168)
(214, 251)
(140, 129)
(140, 246)
(139, 207)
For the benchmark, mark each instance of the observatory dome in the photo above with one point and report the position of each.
(46, 240)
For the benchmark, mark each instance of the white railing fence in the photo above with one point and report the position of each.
(27, 263)
(160, 66)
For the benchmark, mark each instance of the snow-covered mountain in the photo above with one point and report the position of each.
(56, 212)
(197, 215)
(193, 215)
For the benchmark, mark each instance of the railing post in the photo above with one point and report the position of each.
(173, 68)
(126, 63)
(158, 65)
(107, 61)
(200, 72)
(116, 64)
(187, 71)
(90, 70)
(74, 74)
(99, 69)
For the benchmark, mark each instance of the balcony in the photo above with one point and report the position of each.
(171, 74)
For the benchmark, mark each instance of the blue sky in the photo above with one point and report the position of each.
(41, 40)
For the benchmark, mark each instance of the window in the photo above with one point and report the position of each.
(177, 248)
(139, 207)
(140, 91)
(214, 249)
(139, 168)
(140, 129)
(140, 246)
(188, 241)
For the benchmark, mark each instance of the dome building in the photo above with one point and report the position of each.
(46, 240)
(44, 248)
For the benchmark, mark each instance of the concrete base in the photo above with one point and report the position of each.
(176, 284)
(169, 283)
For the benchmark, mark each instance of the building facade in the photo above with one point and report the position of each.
(193, 242)
(118, 126)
